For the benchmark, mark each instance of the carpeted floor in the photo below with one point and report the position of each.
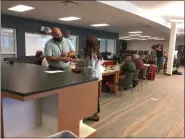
(155, 111)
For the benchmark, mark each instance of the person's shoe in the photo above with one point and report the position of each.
(95, 117)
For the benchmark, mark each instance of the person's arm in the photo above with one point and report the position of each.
(50, 57)
(158, 49)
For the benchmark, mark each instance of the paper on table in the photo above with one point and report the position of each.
(56, 71)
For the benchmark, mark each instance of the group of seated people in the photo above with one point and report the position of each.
(132, 63)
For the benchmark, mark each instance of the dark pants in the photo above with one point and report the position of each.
(159, 63)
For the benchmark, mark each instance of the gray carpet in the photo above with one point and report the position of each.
(155, 111)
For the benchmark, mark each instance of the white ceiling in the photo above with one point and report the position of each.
(91, 12)
(153, 5)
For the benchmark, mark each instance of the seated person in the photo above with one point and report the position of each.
(41, 60)
(148, 56)
(128, 67)
(138, 62)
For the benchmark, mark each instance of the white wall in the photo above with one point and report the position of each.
(146, 45)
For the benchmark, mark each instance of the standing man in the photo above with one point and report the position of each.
(59, 50)
(68, 33)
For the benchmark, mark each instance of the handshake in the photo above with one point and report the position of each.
(67, 57)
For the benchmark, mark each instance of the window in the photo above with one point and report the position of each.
(107, 45)
(111, 46)
(102, 43)
(8, 43)
(75, 41)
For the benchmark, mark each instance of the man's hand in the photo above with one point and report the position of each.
(66, 59)
(65, 55)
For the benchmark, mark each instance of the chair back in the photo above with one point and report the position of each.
(136, 74)
(145, 70)
(128, 80)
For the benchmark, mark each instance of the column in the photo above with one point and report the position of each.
(172, 43)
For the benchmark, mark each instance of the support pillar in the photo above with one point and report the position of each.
(171, 50)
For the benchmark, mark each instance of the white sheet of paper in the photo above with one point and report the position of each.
(51, 72)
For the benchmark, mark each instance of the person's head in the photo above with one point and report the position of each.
(39, 54)
(92, 46)
(160, 46)
(68, 34)
(57, 34)
(135, 56)
(128, 58)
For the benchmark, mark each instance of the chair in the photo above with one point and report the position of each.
(136, 77)
(127, 83)
(144, 76)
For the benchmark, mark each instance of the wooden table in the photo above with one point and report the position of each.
(38, 104)
(114, 73)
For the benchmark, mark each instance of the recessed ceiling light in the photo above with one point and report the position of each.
(144, 36)
(160, 39)
(177, 20)
(125, 37)
(135, 32)
(21, 8)
(142, 39)
(134, 35)
(71, 18)
(134, 38)
(99, 25)
(153, 38)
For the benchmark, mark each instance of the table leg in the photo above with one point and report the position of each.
(100, 89)
(116, 80)
(2, 125)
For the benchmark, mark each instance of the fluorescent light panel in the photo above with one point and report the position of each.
(99, 25)
(144, 36)
(135, 32)
(71, 18)
(142, 39)
(21, 8)
(125, 37)
(177, 20)
(133, 35)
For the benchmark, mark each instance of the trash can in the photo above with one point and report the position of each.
(63, 134)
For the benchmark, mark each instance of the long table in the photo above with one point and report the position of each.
(38, 104)
(115, 74)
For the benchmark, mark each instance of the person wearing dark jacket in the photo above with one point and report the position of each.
(159, 55)
(129, 66)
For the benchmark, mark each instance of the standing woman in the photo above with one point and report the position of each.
(159, 54)
(92, 66)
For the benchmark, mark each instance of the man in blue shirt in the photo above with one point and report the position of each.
(59, 50)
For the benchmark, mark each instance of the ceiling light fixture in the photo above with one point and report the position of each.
(142, 39)
(153, 38)
(99, 25)
(125, 37)
(177, 20)
(71, 18)
(144, 36)
(160, 39)
(134, 35)
(21, 8)
(135, 32)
